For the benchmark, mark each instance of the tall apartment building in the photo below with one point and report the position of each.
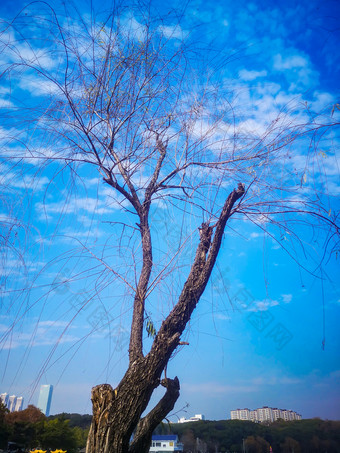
(45, 398)
(264, 414)
(240, 414)
(4, 399)
(11, 403)
(19, 403)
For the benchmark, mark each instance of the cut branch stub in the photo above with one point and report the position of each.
(102, 397)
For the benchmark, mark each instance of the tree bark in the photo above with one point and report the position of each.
(117, 426)
(142, 438)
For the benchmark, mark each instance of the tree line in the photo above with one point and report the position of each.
(30, 428)
(299, 436)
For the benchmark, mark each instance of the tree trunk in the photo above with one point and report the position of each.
(117, 412)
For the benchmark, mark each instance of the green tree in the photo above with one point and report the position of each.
(24, 434)
(81, 435)
(290, 446)
(256, 444)
(30, 415)
(57, 434)
(24, 424)
(4, 428)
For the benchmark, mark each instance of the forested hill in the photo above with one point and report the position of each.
(30, 428)
(302, 436)
(82, 421)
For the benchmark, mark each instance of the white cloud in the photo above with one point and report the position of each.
(252, 128)
(44, 333)
(133, 29)
(36, 156)
(11, 180)
(333, 189)
(287, 298)
(297, 70)
(87, 234)
(322, 100)
(321, 164)
(289, 62)
(222, 317)
(255, 235)
(39, 86)
(5, 218)
(263, 305)
(5, 103)
(173, 32)
(25, 53)
(251, 75)
(53, 323)
(90, 205)
(276, 380)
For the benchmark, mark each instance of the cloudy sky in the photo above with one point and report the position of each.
(266, 330)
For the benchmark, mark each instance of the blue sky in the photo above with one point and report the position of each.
(266, 330)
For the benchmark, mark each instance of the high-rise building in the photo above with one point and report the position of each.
(4, 399)
(240, 414)
(11, 403)
(265, 413)
(19, 403)
(45, 398)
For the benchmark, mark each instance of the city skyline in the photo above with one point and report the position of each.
(264, 413)
(12, 402)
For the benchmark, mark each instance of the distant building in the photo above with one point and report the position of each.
(45, 398)
(240, 414)
(11, 403)
(4, 399)
(264, 414)
(196, 418)
(166, 443)
(19, 404)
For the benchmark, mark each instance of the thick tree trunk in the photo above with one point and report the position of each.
(117, 412)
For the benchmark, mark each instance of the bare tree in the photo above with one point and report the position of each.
(126, 97)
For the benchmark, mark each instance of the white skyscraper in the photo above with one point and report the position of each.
(45, 398)
(11, 403)
(4, 399)
(19, 403)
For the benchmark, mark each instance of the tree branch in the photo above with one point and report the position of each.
(205, 258)
(146, 426)
(136, 337)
